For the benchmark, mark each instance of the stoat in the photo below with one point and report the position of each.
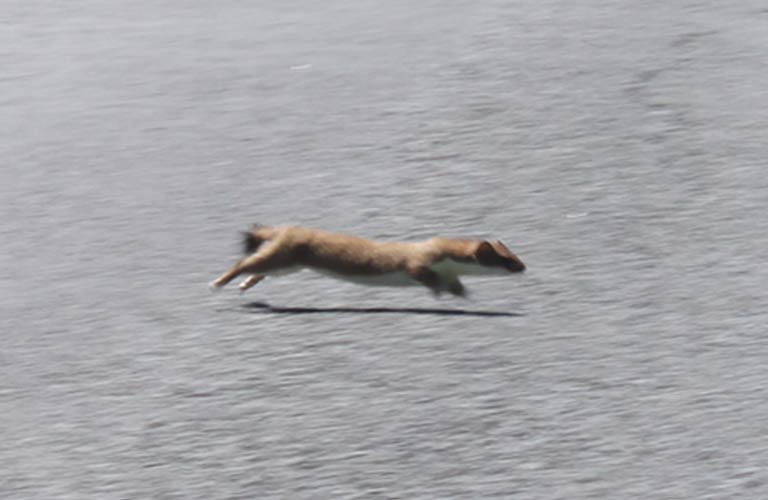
(436, 263)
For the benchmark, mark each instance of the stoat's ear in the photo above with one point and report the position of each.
(486, 255)
(502, 249)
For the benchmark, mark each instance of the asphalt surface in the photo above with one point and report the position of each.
(619, 148)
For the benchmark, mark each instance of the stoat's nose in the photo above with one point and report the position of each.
(514, 264)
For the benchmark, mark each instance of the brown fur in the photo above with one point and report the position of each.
(275, 249)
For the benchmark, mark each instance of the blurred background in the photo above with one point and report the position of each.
(618, 147)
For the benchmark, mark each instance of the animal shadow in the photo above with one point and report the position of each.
(263, 307)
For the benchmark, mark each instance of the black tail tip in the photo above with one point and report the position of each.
(250, 242)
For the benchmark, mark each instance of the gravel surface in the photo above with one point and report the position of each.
(618, 147)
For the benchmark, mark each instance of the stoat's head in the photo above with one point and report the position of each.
(496, 255)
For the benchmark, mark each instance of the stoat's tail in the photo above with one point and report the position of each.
(257, 235)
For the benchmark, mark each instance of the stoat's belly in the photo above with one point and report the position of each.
(450, 267)
(398, 278)
(448, 270)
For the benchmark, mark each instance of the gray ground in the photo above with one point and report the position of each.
(618, 147)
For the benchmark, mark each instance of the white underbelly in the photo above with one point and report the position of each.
(448, 270)
(449, 267)
(283, 271)
(387, 279)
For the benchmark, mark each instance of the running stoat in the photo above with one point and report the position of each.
(436, 263)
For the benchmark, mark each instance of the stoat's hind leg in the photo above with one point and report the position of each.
(266, 259)
(250, 281)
